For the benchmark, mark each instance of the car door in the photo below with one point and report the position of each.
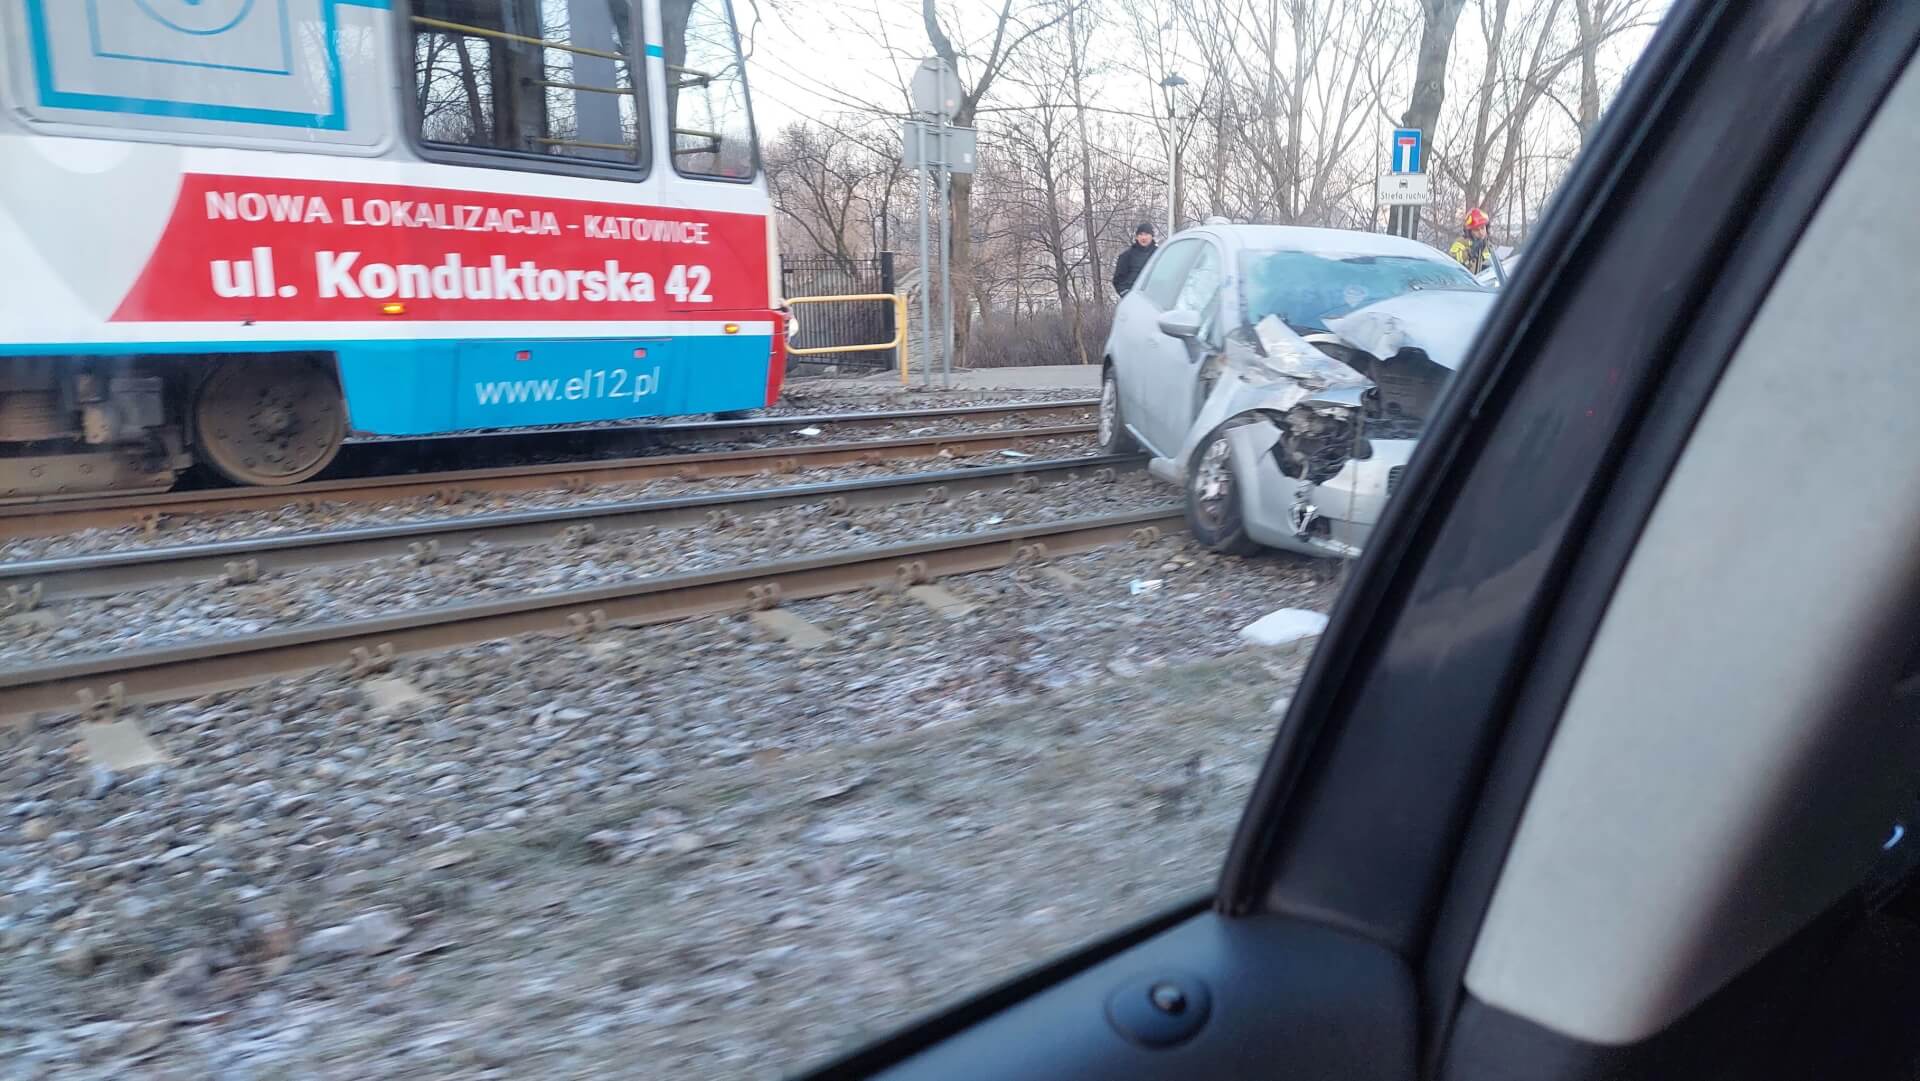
(1169, 385)
(1144, 357)
(1603, 765)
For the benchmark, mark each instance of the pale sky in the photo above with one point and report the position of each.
(806, 63)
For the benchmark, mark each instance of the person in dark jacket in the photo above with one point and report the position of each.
(1127, 270)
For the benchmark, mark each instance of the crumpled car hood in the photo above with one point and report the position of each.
(1292, 372)
(1289, 357)
(1441, 323)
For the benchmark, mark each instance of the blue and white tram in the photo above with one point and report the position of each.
(234, 232)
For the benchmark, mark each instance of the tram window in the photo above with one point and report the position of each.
(707, 90)
(545, 77)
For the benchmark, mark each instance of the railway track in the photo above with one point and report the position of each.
(50, 580)
(102, 684)
(750, 427)
(21, 520)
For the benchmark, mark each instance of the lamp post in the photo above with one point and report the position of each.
(1170, 89)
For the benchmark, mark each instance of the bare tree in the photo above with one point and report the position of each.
(1076, 80)
(1287, 101)
(1012, 30)
(1589, 113)
(1494, 22)
(1600, 21)
(1438, 20)
(1034, 156)
(818, 179)
(1290, 87)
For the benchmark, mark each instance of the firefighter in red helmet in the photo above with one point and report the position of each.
(1472, 250)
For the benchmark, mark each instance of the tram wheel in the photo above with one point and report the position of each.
(269, 421)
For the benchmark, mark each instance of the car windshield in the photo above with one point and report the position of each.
(1305, 289)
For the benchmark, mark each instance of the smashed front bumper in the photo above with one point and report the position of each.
(1335, 517)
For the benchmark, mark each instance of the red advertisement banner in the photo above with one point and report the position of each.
(278, 250)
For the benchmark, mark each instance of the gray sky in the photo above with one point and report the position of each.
(807, 61)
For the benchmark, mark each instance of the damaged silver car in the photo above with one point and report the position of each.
(1282, 376)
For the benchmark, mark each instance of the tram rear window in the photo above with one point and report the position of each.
(546, 77)
(706, 90)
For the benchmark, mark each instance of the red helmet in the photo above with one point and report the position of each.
(1476, 218)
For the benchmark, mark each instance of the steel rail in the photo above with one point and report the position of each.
(49, 580)
(49, 519)
(98, 685)
(744, 426)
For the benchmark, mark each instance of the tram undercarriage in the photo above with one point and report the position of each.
(73, 426)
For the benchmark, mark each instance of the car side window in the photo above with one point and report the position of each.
(1202, 284)
(1169, 271)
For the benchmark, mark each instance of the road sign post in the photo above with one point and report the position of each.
(917, 138)
(936, 89)
(1404, 188)
(1408, 151)
(946, 251)
(960, 152)
(935, 150)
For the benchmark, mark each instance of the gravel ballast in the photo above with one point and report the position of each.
(685, 850)
(171, 614)
(319, 514)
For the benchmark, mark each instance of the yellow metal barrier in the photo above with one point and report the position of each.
(899, 341)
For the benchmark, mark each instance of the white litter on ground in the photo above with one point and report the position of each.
(1278, 628)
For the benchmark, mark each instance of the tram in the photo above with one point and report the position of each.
(236, 233)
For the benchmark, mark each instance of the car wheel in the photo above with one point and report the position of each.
(1213, 499)
(1114, 437)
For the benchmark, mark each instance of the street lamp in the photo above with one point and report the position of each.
(1170, 88)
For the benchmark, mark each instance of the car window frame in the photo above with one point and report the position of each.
(1877, 50)
(1367, 673)
(1209, 248)
(1165, 260)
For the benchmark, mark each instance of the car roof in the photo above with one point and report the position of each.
(1304, 238)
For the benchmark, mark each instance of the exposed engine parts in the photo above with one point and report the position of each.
(1315, 442)
(1302, 513)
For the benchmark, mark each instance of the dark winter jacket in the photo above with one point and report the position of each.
(1127, 270)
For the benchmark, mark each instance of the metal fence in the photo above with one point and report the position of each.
(840, 322)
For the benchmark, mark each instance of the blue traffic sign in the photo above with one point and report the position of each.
(1407, 151)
